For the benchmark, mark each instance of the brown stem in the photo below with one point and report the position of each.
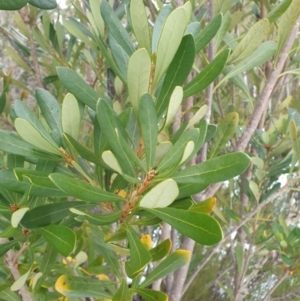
(264, 98)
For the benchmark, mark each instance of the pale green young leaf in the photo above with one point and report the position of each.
(249, 43)
(223, 29)
(17, 216)
(221, 6)
(138, 76)
(30, 134)
(257, 58)
(169, 41)
(161, 195)
(95, 9)
(159, 23)
(139, 22)
(149, 127)
(286, 23)
(278, 10)
(294, 138)
(70, 116)
(63, 239)
(161, 150)
(19, 283)
(189, 148)
(225, 130)
(170, 264)
(111, 161)
(14, 55)
(197, 116)
(174, 104)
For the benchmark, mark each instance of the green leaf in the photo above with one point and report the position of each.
(25, 113)
(169, 41)
(173, 158)
(20, 282)
(82, 190)
(161, 250)
(123, 293)
(62, 238)
(31, 135)
(207, 34)
(6, 246)
(221, 6)
(125, 156)
(257, 58)
(197, 116)
(294, 138)
(200, 227)
(12, 5)
(161, 195)
(249, 43)
(239, 255)
(8, 295)
(96, 219)
(207, 75)
(139, 22)
(48, 214)
(173, 262)
(148, 122)
(159, 23)
(83, 151)
(223, 29)
(139, 255)
(138, 76)
(116, 28)
(205, 206)
(194, 179)
(50, 109)
(150, 294)
(225, 130)
(78, 87)
(70, 116)
(43, 4)
(278, 10)
(73, 286)
(177, 72)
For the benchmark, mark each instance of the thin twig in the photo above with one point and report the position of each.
(279, 281)
(270, 199)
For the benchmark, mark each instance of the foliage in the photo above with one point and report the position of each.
(91, 176)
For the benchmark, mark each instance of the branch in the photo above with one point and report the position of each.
(264, 98)
(270, 199)
(279, 281)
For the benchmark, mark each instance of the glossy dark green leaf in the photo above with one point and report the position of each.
(83, 151)
(139, 255)
(170, 264)
(196, 178)
(97, 219)
(177, 72)
(125, 156)
(82, 190)
(50, 109)
(116, 28)
(48, 214)
(207, 75)
(12, 5)
(200, 227)
(207, 34)
(73, 286)
(43, 4)
(151, 295)
(62, 238)
(148, 122)
(78, 87)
